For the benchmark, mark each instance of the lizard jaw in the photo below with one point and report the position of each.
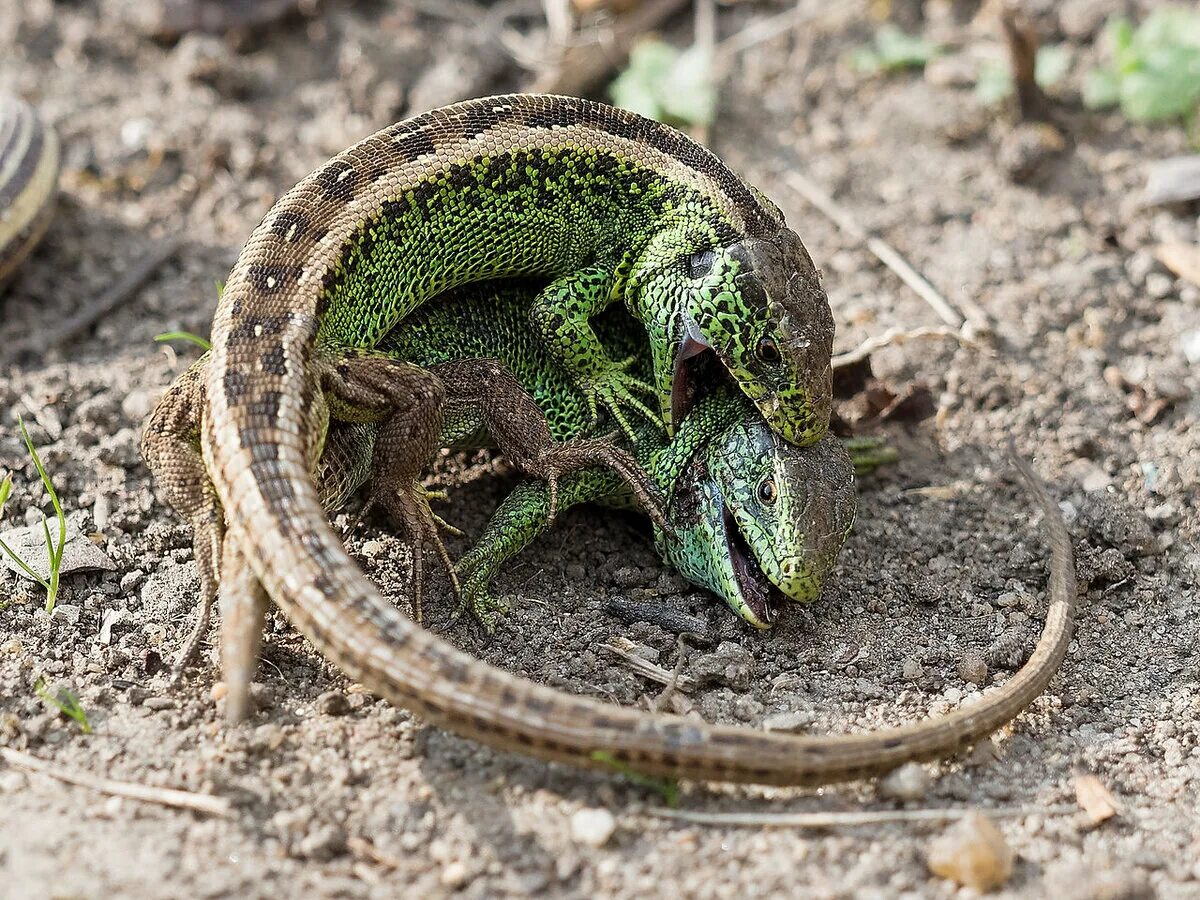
(761, 600)
(690, 359)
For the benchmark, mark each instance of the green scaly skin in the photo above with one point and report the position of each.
(754, 519)
(606, 207)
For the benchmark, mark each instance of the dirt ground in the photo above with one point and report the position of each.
(340, 795)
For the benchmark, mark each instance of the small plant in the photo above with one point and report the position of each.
(1154, 71)
(202, 343)
(892, 50)
(667, 84)
(65, 702)
(994, 82)
(54, 550)
(666, 788)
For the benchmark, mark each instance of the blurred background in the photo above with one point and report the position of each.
(1003, 198)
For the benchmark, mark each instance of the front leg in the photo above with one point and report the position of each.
(484, 390)
(560, 314)
(524, 514)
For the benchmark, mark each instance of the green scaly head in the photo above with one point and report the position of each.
(759, 521)
(756, 307)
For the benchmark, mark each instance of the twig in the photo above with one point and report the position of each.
(899, 336)
(1022, 40)
(203, 803)
(585, 67)
(841, 217)
(647, 669)
(676, 673)
(759, 30)
(559, 21)
(843, 819)
(99, 306)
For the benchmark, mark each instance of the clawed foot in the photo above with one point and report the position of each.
(563, 459)
(409, 509)
(475, 595)
(614, 388)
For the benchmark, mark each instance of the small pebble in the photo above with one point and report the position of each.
(158, 703)
(592, 827)
(68, 612)
(909, 782)
(788, 722)
(323, 843)
(372, 548)
(972, 669)
(913, 670)
(455, 875)
(972, 852)
(333, 703)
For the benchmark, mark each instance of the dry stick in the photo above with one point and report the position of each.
(681, 656)
(897, 336)
(759, 30)
(108, 300)
(1022, 40)
(836, 819)
(585, 67)
(649, 670)
(841, 217)
(203, 803)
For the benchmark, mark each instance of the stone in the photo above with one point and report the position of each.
(909, 782)
(592, 827)
(972, 852)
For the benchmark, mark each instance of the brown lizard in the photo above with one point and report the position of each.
(274, 377)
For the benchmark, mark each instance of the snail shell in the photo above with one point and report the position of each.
(29, 163)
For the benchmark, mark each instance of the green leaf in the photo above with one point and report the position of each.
(865, 60)
(1051, 64)
(993, 82)
(65, 702)
(898, 50)
(1101, 89)
(663, 83)
(202, 343)
(1155, 95)
(1118, 34)
(687, 93)
(5, 491)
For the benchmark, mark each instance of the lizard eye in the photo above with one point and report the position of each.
(767, 492)
(768, 351)
(700, 263)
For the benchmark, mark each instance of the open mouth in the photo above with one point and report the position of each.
(763, 601)
(697, 370)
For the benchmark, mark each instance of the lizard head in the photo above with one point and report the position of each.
(759, 521)
(755, 309)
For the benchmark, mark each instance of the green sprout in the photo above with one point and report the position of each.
(1153, 73)
(65, 702)
(667, 788)
(54, 551)
(994, 82)
(893, 50)
(667, 84)
(202, 343)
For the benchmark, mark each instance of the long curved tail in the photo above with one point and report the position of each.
(256, 449)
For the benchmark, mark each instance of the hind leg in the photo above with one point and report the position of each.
(171, 447)
(405, 402)
(490, 393)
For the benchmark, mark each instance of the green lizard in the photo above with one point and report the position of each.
(603, 205)
(262, 403)
(751, 517)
